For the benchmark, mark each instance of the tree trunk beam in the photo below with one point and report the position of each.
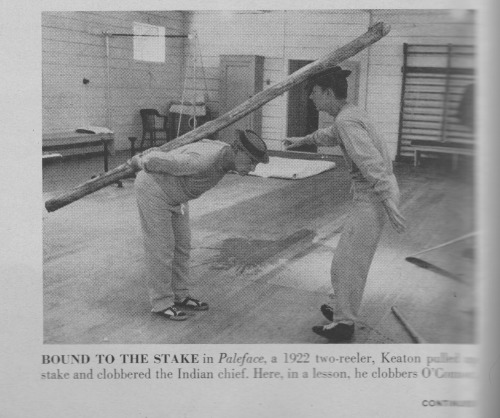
(332, 59)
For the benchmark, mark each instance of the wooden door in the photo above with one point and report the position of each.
(302, 115)
(241, 76)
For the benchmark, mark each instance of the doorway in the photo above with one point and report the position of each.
(241, 77)
(303, 118)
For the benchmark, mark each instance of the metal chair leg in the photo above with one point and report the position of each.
(141, 147)
(132, 140)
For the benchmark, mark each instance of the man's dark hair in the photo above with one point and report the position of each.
(334, 78)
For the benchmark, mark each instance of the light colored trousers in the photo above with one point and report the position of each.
(167, 243)
(354, 254)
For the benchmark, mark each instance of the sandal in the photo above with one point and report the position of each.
(173, 313)
(191, 303)
(327, 311)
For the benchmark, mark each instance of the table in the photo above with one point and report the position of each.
(59, 141)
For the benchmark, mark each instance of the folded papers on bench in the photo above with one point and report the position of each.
(287, 168)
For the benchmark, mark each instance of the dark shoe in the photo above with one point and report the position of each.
(191, 303)
(327, 311)
(335, 333)
(173, 313)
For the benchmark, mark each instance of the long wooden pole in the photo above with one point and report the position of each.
(463, 237)
(332, 59)
(415, 336)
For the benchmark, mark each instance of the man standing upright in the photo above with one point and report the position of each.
(375, 198)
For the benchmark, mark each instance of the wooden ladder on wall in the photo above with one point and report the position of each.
(435, 78)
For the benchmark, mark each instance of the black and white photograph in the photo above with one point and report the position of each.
(275, 176)
(248, 208)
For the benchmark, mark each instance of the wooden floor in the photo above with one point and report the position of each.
(261, 257)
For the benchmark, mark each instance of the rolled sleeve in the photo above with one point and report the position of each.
(326, 137)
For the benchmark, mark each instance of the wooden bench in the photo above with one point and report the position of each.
(63, 141)
(453, 148)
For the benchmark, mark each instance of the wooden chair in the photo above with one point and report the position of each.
(152, 123)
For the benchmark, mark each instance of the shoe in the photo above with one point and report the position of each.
(173, 314)
(335, 332)
(191, 303)
(327, 311)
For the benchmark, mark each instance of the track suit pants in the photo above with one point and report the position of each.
(354, 254)
(167, 242)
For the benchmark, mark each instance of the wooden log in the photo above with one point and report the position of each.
(332, 59)
(413, 334)
(453, 241)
